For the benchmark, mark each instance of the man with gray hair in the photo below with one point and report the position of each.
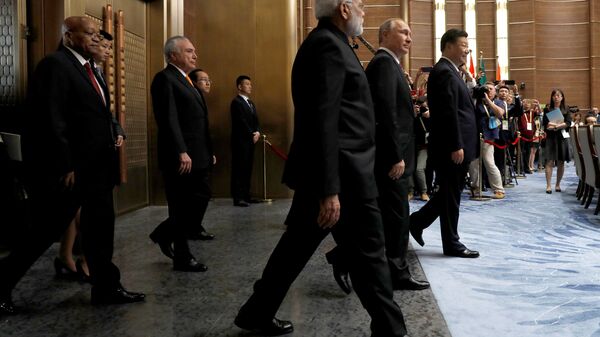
(330, 167)
(184, 152)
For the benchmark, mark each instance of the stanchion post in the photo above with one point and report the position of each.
(520, 174)
(265, 170)
(479, 196)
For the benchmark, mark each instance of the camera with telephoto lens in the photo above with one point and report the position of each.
(480, 91)
(573, 109)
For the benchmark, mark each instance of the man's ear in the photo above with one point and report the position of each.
(345, 10)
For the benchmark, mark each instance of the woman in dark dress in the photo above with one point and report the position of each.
(556, 148)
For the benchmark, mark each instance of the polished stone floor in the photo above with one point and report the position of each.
(538, 275)
(203, 304)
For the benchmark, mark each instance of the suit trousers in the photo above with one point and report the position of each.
(242, 161)
(444, 204)
(51, 208)
(187, 199)
(98, 225)
(359, 234)
(393, 203)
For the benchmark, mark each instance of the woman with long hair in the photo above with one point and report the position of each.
(556, 147)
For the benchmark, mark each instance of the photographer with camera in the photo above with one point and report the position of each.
(489, 115)
(530, 129)
(508, 128)
(423, 177)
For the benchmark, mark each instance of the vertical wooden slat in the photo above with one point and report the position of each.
(120, 87)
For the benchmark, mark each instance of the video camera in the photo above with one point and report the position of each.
(480, 91)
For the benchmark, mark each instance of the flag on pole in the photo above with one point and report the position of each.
(498, 71)
(483, 77)
(471, 65)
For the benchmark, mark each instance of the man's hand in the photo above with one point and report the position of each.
(119, 141)
(426, 114)
(329, 212)
(68, 180)
(255, 137)
(458, 156)
(397, 170)
(214, 160)
(185, 163)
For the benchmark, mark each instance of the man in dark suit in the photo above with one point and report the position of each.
(244, 134)
(69, 153)
(184, 152)
(395, 139)
(330, 167)
(202, 82)
(453, 144)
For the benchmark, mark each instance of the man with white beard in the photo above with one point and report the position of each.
(330, 167)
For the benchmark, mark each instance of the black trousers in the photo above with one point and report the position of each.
(444, 204)
(393, 203)
(359, 234)
(242, 161)
(187, 199)
(51, 208)
(98, 225)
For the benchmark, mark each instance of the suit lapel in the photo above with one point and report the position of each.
(81, 69)
(186, 84)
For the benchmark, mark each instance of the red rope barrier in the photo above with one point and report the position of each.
(276, 150)
(502, 147)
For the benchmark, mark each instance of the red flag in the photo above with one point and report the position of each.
(471, 65)
(498, 75)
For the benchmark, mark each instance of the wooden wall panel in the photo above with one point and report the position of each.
(562, 36)
(455, 14)
(521, 45)
(421, 23)
(595, 53)
(256, 38)
(486, 36)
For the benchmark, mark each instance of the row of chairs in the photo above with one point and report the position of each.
(583, 140)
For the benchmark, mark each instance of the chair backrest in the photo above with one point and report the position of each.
(596, 137)
(583, 134)
(575, 146)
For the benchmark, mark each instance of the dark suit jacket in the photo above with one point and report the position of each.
(394, 113)
(453, 122)
(333, 149)
(69, 127)
(182, 119)
(244, 122)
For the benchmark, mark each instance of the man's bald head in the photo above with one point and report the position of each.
(80, 33)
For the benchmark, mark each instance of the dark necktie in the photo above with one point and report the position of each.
(90, 73)
(251, 105)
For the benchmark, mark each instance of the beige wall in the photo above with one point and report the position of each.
(256, 38)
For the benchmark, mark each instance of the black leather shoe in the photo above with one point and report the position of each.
(7, 308)
(343, 279)
(205, 236)
(467, 253)
(410, 284)
(417, 234)
(190, 265)
(63, 271)
(115, 296)
(240, 204)
(275, 327)
(166, 246)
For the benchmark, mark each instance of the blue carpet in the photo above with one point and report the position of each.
(539, 270)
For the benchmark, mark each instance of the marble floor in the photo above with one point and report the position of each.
(538, 275)
(203, 304)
